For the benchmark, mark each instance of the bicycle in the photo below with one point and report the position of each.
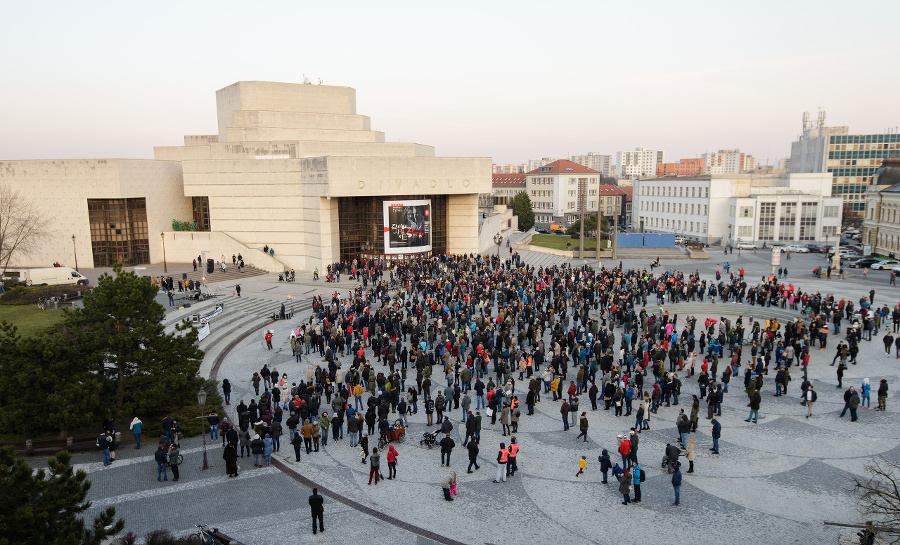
(203, 536)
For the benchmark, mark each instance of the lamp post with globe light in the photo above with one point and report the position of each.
(201, 400)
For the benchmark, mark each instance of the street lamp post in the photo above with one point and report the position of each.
(498, 240)
(75, 251)
(162, 236)
(201, 400)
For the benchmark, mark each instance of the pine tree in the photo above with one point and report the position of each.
(121, 335)
(521, 207)
(45, 507)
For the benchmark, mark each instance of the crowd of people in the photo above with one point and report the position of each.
(434, 333)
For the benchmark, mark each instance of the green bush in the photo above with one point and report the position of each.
(178, 225)
(21, 295)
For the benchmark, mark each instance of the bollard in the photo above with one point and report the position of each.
(118, 439)
(29, 447)
(69, 442)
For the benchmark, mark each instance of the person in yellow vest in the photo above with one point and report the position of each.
(502, 458)
(513, 449)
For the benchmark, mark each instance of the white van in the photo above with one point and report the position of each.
(48, 276)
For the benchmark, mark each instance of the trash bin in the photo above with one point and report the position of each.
(118, 439)
(210, 265)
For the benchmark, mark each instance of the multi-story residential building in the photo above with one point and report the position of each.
(538, 163)
(596, 161)
(728, 161)
(881, 223)
(557, 190)
(638, 162)
(684, 167)
(851, 159)
(507, 185)
(782, 164)
(739, 208)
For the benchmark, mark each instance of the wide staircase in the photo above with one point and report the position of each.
(726, 309)
(239, 317)
(231, 273)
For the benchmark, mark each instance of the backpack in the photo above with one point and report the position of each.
(815, 396)
(643, 476)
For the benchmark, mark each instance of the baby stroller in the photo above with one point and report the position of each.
(429, 439)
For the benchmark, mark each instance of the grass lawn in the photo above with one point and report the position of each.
(558, 242)
(30, 319)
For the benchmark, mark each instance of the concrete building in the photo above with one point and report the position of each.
(684, 167)
(881, 223)
(596, 161)
(558, 189)
(739, 208)
(727, 161)
(508, 185)
(538, 163)
(509, 169)
(638, 162)
(293, 167)
(851, 159)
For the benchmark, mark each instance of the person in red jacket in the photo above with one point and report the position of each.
(625, 451)
(392, 462)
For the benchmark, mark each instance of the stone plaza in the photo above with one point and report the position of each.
(775, 481)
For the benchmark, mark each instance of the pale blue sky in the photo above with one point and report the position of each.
(510, 80)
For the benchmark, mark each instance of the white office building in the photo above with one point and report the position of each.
(538, 163)
(556, 190)
(638, 162)
(790, 209)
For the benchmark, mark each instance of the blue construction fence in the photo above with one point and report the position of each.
(634, 240)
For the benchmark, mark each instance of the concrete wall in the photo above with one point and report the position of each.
(184, 246)
(63, 187)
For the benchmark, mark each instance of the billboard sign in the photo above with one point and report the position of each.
(407, 227)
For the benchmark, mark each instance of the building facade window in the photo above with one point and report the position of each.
(767, 221)
(787, 221)
(808, 214)
(119, 232)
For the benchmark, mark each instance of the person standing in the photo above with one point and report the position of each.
(604, 465)
(230, 457)
(174, 451)
(446, 484)
(811, 397)
(625, 486)
(690, 454)
(392, 462)
(317, 510)
(853, 404)
(297, 441)
(213, 420)
(636, 474)
(374, 465)
(103, 442)
(502, 459)
(162, 460)
(136, 431)
(755, 400)
(583, 423)
(716, 434)
(564, 411)
(882, 395)
(676, 484)
(447, 444)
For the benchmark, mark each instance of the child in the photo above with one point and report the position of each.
(582, 465)
(364, 448)
(616, 471)
(453, 485)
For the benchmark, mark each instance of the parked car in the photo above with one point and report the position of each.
(679, 240)
(815, 248)
(850, 257)
(885, 264)
(896, 270)
(864, 262)
(793, 248)
(560, 232)
(747, 246)
(542, 231)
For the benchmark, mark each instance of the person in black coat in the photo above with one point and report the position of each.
(230, 457)
(317, 510)
(473, 455)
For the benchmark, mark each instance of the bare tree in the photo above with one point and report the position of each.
(879, 496)
(23, 225)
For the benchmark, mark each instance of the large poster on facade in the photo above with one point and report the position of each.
(407, 227)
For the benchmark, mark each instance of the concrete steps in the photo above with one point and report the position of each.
(231, 274)
(730, 309)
